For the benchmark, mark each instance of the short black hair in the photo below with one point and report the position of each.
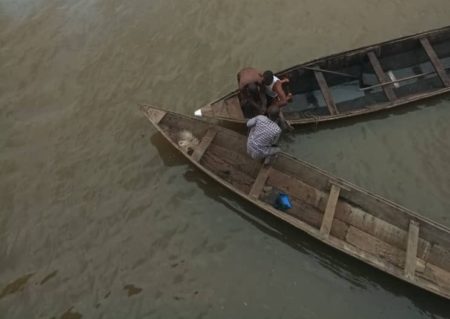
(267, 77)
(273, 112)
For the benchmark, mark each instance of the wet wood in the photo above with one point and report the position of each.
(326, 93)
(382, 77)
(328, 217)
(437, 64)
(260, 181)
(205, 142)
(411, 250)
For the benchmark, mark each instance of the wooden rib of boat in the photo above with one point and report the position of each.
(394, 73)
(346, 217)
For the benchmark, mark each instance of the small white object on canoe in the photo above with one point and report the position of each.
(198, 113)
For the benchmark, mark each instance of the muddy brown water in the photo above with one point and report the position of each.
(100, 218)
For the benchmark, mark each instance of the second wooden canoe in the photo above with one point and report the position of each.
(394, 73)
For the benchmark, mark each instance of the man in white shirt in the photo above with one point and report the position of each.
(274, 88)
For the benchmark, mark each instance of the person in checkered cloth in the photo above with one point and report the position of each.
(264, 134)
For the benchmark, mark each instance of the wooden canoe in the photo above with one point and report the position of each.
(394, 73)
(346, 217)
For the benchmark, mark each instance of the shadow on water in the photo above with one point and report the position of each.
(169, 155)
(358, 273)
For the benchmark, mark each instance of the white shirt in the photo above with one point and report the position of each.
(269, 88)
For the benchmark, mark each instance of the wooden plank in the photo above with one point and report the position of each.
(326, 93)
(382, 77)
(328, 217)
(207, 110)
(260, 181)
(206, 141)
(240, 161)
(439, 256)
(234, 108)
(411, 250)
(376, 227)
(154, 115)
(221, 110)
(378, 249)
(437, 64)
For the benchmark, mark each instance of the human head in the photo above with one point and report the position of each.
(268, 77)
(273, 113)
(253, 89)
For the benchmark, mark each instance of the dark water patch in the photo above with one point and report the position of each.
(17, 285)
(169, 155)
(70, 315)
(132, 290)
(48, 277)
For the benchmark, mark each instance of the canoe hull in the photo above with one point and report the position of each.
(348, 218)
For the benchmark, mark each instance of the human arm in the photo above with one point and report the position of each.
(283, 98)
(252, 122)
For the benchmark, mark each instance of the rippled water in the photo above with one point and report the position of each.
(100, 218)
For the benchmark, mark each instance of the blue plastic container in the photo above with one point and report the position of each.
(283, 202)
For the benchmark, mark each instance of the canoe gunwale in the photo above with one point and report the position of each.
(336, 243)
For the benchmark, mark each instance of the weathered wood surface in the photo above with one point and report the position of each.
(260, 181)
(234, 108)
(327, 96)
(328, 217)
(437, 64)
(203, 145)
(411, 249)
(154, 115)
(382, 76)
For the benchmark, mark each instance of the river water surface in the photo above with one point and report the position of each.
(100, 218)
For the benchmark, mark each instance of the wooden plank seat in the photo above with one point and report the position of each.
(204, 144)
(382, 77)
(260, 181)
(328, 97)
(437, 64)
(411, 249)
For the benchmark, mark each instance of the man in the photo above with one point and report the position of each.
(251, 92)
(264, 135)
(274, 89)
(248, 75)
(253, 100)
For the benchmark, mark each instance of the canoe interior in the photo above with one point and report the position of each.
(404, 59)
(364, 226)
(398, 59)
